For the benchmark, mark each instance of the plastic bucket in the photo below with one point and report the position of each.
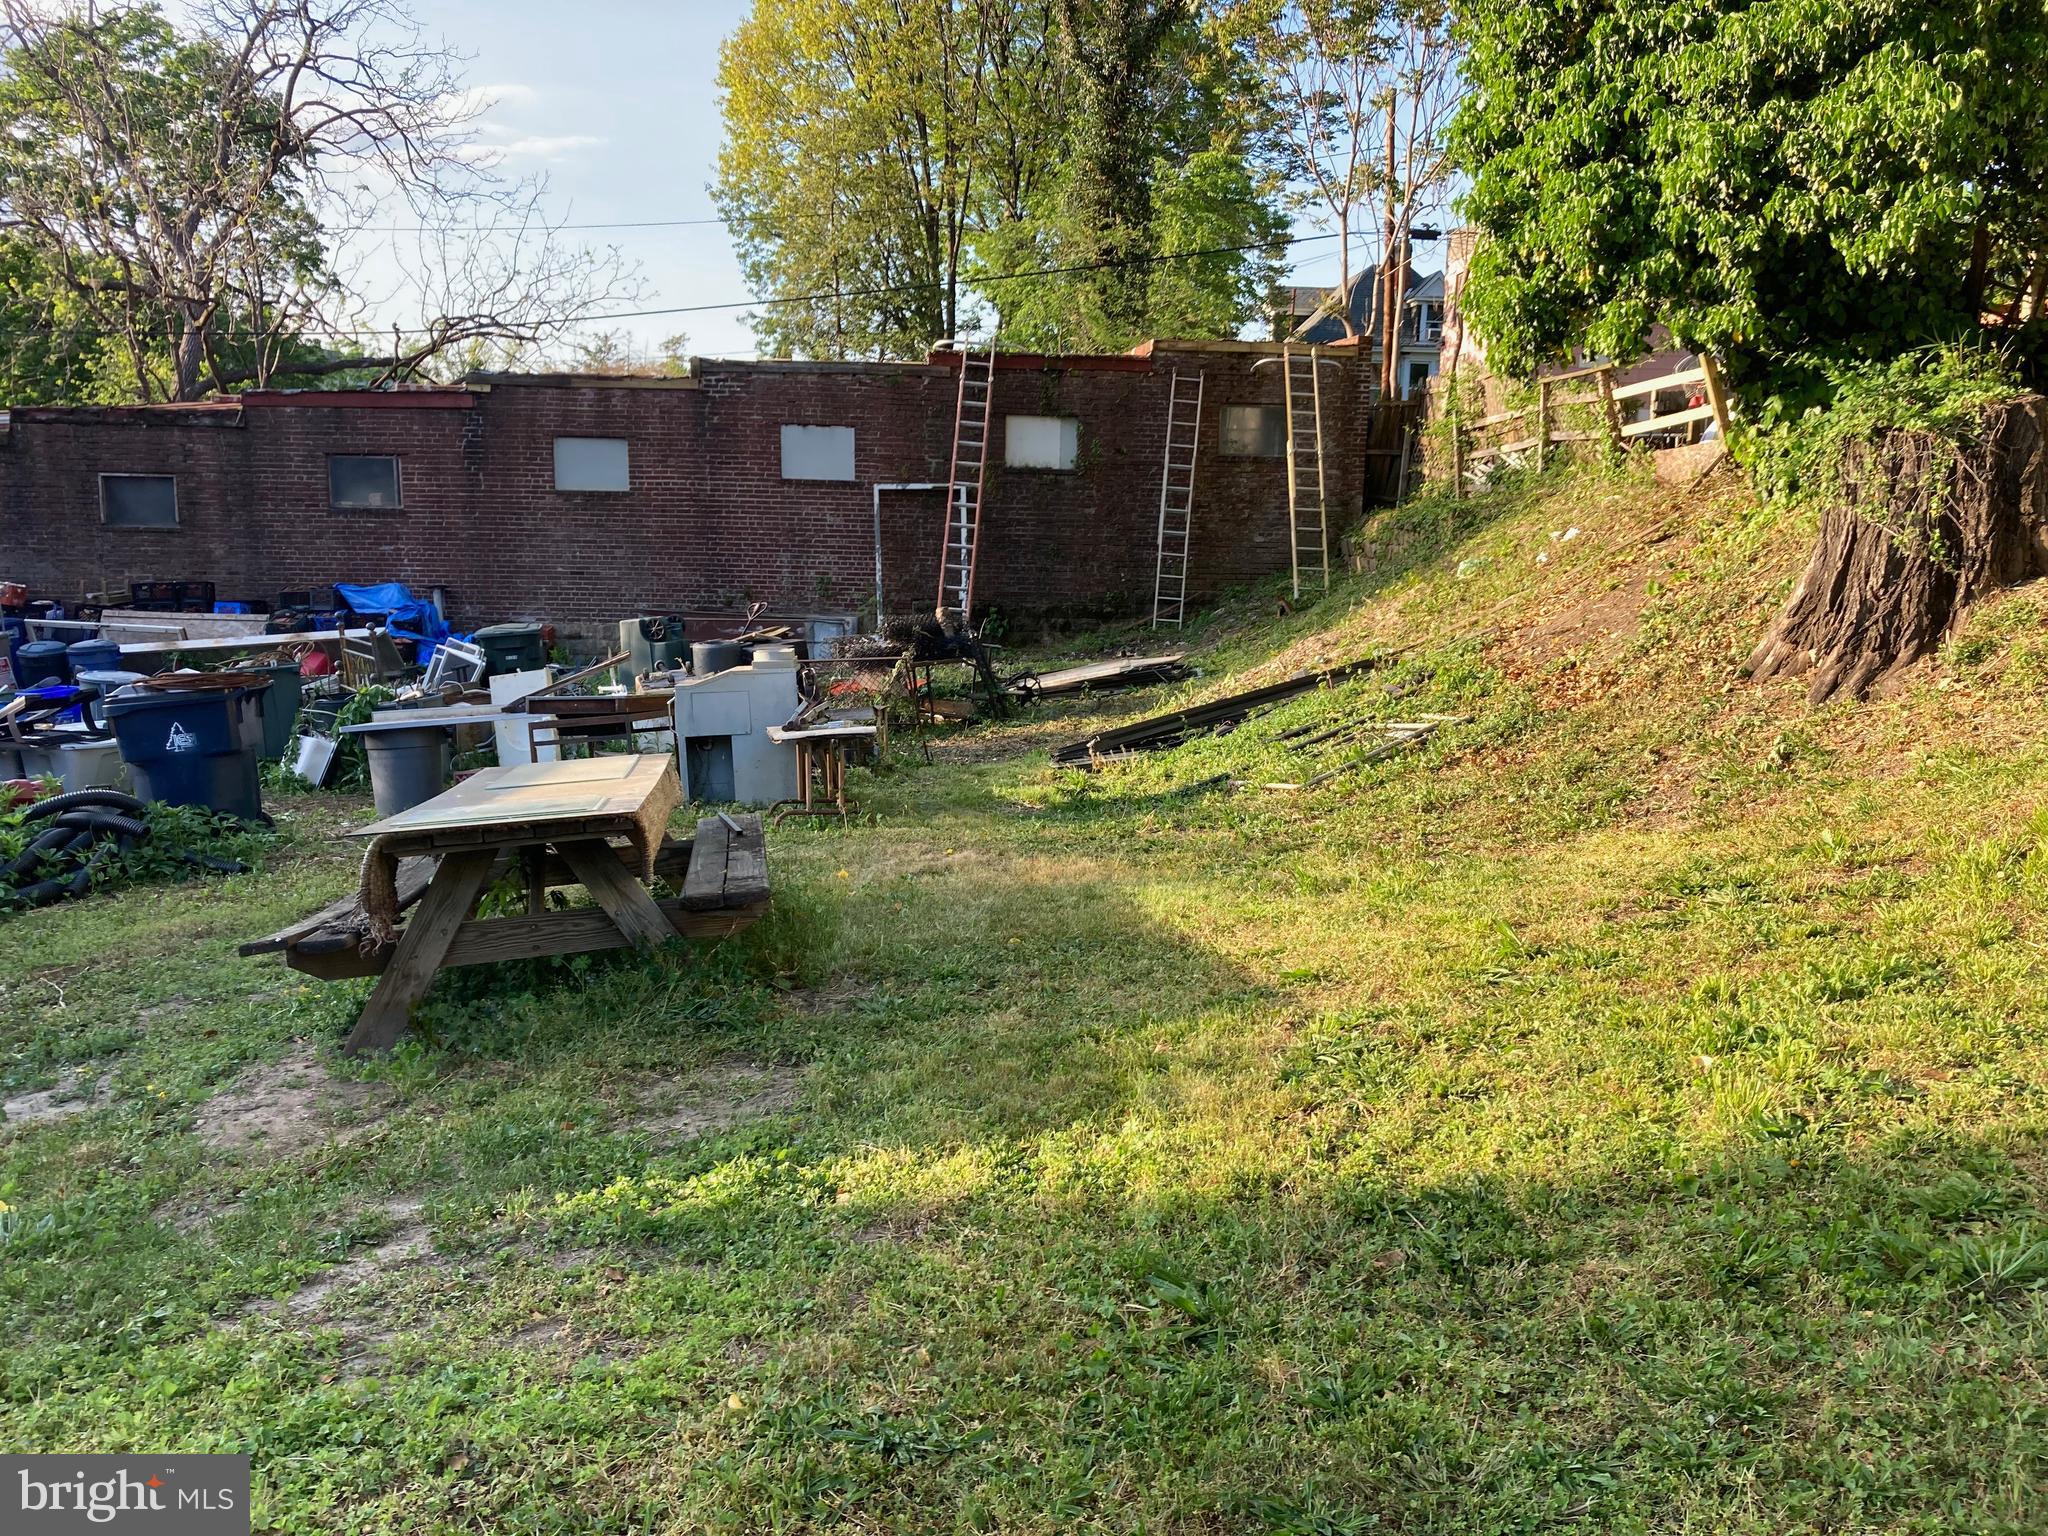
(192, 748)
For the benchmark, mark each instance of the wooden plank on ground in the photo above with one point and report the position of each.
(704, 885)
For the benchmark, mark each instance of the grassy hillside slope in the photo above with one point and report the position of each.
(1623, 1113)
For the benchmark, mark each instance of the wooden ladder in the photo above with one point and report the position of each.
(964, 483)
(1177, 502)
(1307, 515)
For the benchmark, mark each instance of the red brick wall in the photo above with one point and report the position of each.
(709, 521)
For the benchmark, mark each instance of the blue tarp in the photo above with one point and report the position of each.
(406, 616)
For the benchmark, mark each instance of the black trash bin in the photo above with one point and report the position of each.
(512, 648)
(192, 748)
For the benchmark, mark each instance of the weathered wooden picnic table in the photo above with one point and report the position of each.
(556, 822)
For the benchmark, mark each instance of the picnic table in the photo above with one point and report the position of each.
(556, 823)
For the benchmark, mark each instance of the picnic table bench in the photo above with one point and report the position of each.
(553, 823)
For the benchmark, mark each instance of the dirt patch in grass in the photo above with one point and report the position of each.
(365, 1328)
(288, 1105)
(74, 1096)
(672, 1110)
(835, 996)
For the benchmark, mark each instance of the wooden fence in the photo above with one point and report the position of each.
(1539, 430)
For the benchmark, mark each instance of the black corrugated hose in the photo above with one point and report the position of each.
(87, 827)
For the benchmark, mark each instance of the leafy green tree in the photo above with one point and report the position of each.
(1795, 184)
(182, 186)
(1211, 202)
(865, 140)
(889, 164)
(1117, 52)
(53, 350)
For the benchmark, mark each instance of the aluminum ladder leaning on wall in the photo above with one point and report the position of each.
(1307, 513)
(964, 482)
(1177, 501)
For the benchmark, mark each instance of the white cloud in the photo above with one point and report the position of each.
(496, 141)
(476, 99)
(546, 146)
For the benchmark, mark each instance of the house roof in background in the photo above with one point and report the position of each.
(1423, 287)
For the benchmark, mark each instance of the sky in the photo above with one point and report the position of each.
(615, 102)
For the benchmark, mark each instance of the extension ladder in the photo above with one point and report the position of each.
(1176, 502)
(963, 484)
(1307, 516)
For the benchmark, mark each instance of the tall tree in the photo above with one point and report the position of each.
(891, 165)
(1792, 184)
(179, 183)
(1116, 50)
(1354, 104)
(865, 140)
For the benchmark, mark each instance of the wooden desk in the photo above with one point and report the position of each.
(555, 822)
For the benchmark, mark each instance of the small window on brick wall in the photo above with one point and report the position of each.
(1253, 432)
(366, 481)
(1040, 442)
(593, 464)
(139, 501)
(817, 453)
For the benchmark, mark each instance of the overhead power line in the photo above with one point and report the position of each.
(827, 296)
(873, 291)
(538, 225)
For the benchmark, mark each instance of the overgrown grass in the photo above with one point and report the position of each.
(1623, 1113)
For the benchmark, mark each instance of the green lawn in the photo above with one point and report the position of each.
(1624, 1113)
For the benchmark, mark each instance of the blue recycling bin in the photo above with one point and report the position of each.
(93, 656)
(192, 747)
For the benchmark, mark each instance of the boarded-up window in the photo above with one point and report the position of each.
(1040, 442)
(817, 453)
(139, 501)
(362, 480)
(592, 464)
(1253, 432)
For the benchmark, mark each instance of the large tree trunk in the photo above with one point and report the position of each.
(1923, 531)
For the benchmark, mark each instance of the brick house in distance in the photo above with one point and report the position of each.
(811, 487)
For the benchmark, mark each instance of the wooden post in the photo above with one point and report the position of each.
(421, 946)
(1715, 397)
(1457, 455)
(1542, 422)
(1611, 407)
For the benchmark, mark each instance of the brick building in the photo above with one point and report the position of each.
(583, 500)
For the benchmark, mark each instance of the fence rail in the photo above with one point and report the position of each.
(1541, 430)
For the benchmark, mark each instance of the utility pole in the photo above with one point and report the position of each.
(1388, 257)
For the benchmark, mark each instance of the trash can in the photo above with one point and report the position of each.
(280, 708)
(709, 656)
(41, 661)
(512, 648)
(94, 656)
(408, 763)
(192, 747)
